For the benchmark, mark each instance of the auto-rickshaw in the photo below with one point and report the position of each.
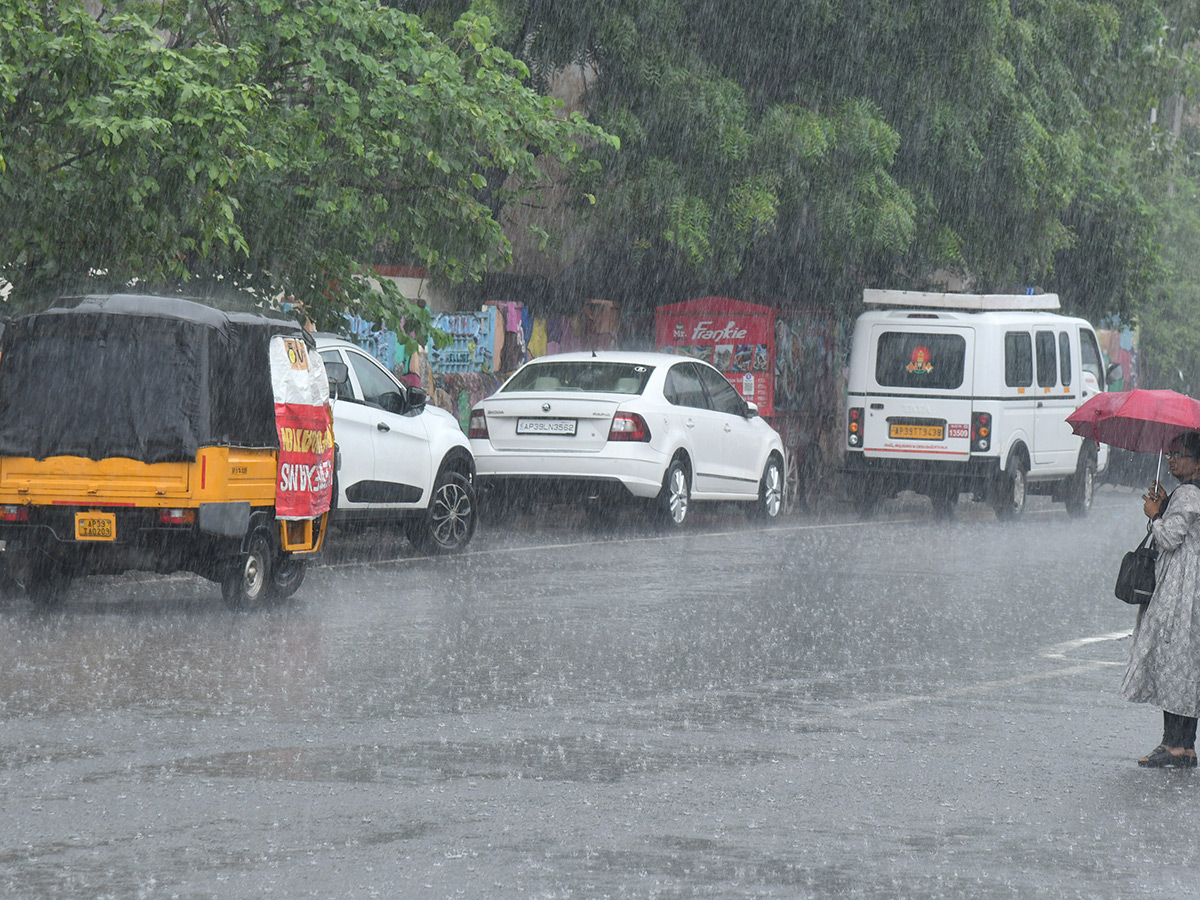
(161, 434)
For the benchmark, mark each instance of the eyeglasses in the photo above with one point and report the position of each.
(1177, 454)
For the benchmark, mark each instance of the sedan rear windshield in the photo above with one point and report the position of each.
(594, 377)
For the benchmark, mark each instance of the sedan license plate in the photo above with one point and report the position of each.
(95, 526)
(916, 432)
(546, 426)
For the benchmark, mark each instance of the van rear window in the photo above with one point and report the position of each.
(909, 360)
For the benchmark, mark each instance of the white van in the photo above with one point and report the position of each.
(969, 393)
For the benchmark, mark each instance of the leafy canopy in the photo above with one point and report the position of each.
(278, 148)
(803, 150)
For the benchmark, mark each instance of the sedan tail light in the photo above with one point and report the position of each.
(477, 427)
(629, 426)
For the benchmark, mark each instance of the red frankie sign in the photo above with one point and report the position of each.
(736, 337)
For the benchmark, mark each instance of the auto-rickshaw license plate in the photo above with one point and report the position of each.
(916, 432)
(95, 526)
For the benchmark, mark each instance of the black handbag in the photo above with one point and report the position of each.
(1135, 579)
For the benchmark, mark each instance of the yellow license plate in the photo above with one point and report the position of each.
(95, 526)
(917, 432)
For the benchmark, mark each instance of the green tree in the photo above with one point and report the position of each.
(806, 149)
(1169, 335)
(277, 148)
(1167, 193)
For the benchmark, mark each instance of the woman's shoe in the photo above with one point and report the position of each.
(1162, 758)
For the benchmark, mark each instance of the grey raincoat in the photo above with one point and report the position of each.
(1164, 661)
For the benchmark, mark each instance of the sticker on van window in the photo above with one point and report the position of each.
(920, 364)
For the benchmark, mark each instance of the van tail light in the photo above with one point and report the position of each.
(177, 516)
(14, 512)
(854, 426)
(477, 427)
(981, 431)
(629, 426)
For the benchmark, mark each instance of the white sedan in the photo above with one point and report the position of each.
(607, 426)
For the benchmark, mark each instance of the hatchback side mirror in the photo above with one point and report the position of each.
(391, 401)
(751, 410)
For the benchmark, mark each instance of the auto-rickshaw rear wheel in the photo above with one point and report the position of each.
(287, 575)
(247, 583)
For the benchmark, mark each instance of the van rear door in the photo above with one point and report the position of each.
(920, 381)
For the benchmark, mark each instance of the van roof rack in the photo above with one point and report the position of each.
(934, 300)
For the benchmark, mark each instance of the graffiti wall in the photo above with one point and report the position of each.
(807, 362)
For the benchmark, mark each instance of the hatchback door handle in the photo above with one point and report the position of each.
(689, 423)
(728, 428)
(382, 426)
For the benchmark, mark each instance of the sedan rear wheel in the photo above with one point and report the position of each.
(675, 495)
(770, 491)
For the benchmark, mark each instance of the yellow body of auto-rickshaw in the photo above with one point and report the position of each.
(143, 433)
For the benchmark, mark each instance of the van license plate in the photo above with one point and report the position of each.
(545, 426)
(95, 526)
(916, 432)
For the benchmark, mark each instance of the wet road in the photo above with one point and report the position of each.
(818, 709)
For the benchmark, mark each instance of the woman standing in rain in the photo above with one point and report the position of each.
(1164, 661)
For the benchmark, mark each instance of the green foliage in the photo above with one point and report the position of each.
(770, 149)
(1169, 332)
(278, 148)
(1142, 208)
(810, 149)
(96, 126)
(1168, 337)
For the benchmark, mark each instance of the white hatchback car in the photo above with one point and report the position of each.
(609, 425)
(398, 460)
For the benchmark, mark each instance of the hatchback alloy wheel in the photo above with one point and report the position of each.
(449, 523)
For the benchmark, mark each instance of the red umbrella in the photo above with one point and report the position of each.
(1138, 420)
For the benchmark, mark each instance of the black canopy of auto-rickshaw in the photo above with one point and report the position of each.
(138, 376)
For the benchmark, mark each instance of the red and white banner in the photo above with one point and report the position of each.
(304, 485)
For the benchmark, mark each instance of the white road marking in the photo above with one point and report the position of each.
(1056, 652)
(1060, 651)
(969, 690)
